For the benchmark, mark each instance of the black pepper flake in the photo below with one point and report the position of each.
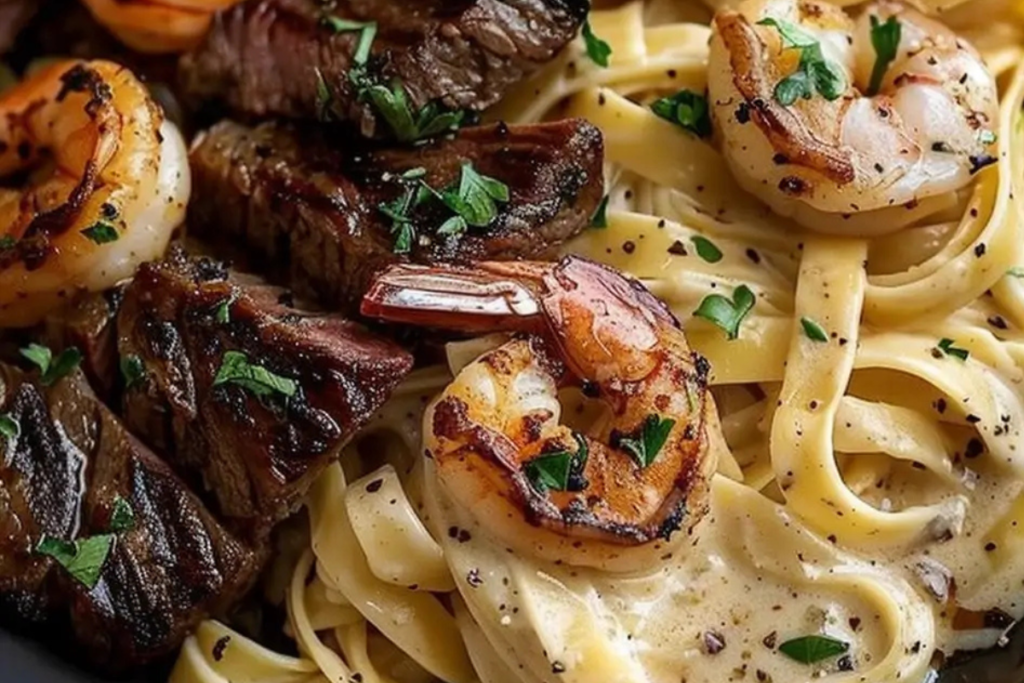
(942, 147)
(453, 532)
(780, 159)
(219, 647)
(854, 623)
(990, 546)
(832, 539)
(940, 405)
(742, 113)
(464, 536)
(474, 579)
(628, 246)
(677, 248)
(357, 677)
(974, 448)
(973, 419)
(979, 250)
(843, 341)
(374, 486)
(557, 668)
(661, 223)
(793, 185)
(844, 663)
(974, 213)
(770, 640)
(763, 676)
(753, 256)
(714, 642)
(998, 322)
(879, 167)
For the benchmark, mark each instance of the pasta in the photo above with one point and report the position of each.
(863, 475)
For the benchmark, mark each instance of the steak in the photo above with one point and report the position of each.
(304, 201)
(65, 470)
(248, 398)
(267, 57)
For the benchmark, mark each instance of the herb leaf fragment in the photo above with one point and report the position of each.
(813, 649)
(600, 218)
(885, 38)
(238, 370)
(688, 110)
(945, 345)
(52, 369)
(560, 470)
(645, 447)
(598, 50)
(10, 428)
(132, 370)
(101, 233)
(706, 249)
(727, 314)
(367, 32)
(814, 73)
(813, 330)
(84, 558)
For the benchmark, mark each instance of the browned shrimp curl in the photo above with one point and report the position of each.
(634, 479)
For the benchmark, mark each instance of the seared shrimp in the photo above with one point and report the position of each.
(816, 110)
(103, 183)
(495, 436)
(158, 26)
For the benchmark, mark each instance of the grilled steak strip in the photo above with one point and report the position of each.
(305, 203)
(263, 57)
(61, 477)
(252, 449)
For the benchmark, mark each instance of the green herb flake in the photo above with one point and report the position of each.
(600, 218)
(367, 32)
(83, 559)
(813, 330)
(946, 346)
(598, 50)
(122, 517)
(10, 429)
(725, 313)
(7, 242)
(560, 470)
(223, 313)
(653, 435)
(987, 137)
(52, 369)
(101, 233)
(1016, 271)
(392, 104)
(686, 109)
(454, 226)
(236, 369)
(885, 38)
(814, 73)
(813, 649)
(476, 197)
(707, 249)
(132, 370)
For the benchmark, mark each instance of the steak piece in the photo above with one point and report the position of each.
(266, 57)
(62, 476)
(248, 398)
(305, 201)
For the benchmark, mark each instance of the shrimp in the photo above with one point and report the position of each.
(158, 26)
(862, 131)
(97, 182)
(613, 497)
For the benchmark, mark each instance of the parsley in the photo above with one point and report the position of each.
(812, 649)
(813, 330)
(1016, 271)
(814, 73)
(367, 32)
(886, 40)
(132, 370)
(686, 109)
(706, 249)
(101, 233)
(652, 436)
(946, 346)
(83, 559)
(401, 224)
(475, 198)
(392, 104)
(122, 517)
(598, 50)
(236, 369)
(7, 242)
(52, 369)
(223, 312)
(600, 217)
(727, 314)
(987, 137)
(561, 470)
(10, 429)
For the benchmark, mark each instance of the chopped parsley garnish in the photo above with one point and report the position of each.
(367, 29)
(7, 242)
(886, 40)
(132, 370)
(52, 369)
(725, 313)
(474, 200)
(84, 559)
(560, 470)
(392, 104)
(686, 109)
(600, 217)
(223, 313)
(946, 346)
(236, 369)
(645, 446)
(707, 249)
(813, 330)
(101, 233)
(1016, 271)
(398, 211)
(9, 427)
(598, 50)
(812, 649)
(813, 74)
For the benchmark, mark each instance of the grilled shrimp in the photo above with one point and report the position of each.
(102, 183)
(158, 26)
(817, 111)
(495, 437)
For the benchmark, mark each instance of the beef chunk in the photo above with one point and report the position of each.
(65, 469)
(306, 202)
(268, 56)
(249, 398)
